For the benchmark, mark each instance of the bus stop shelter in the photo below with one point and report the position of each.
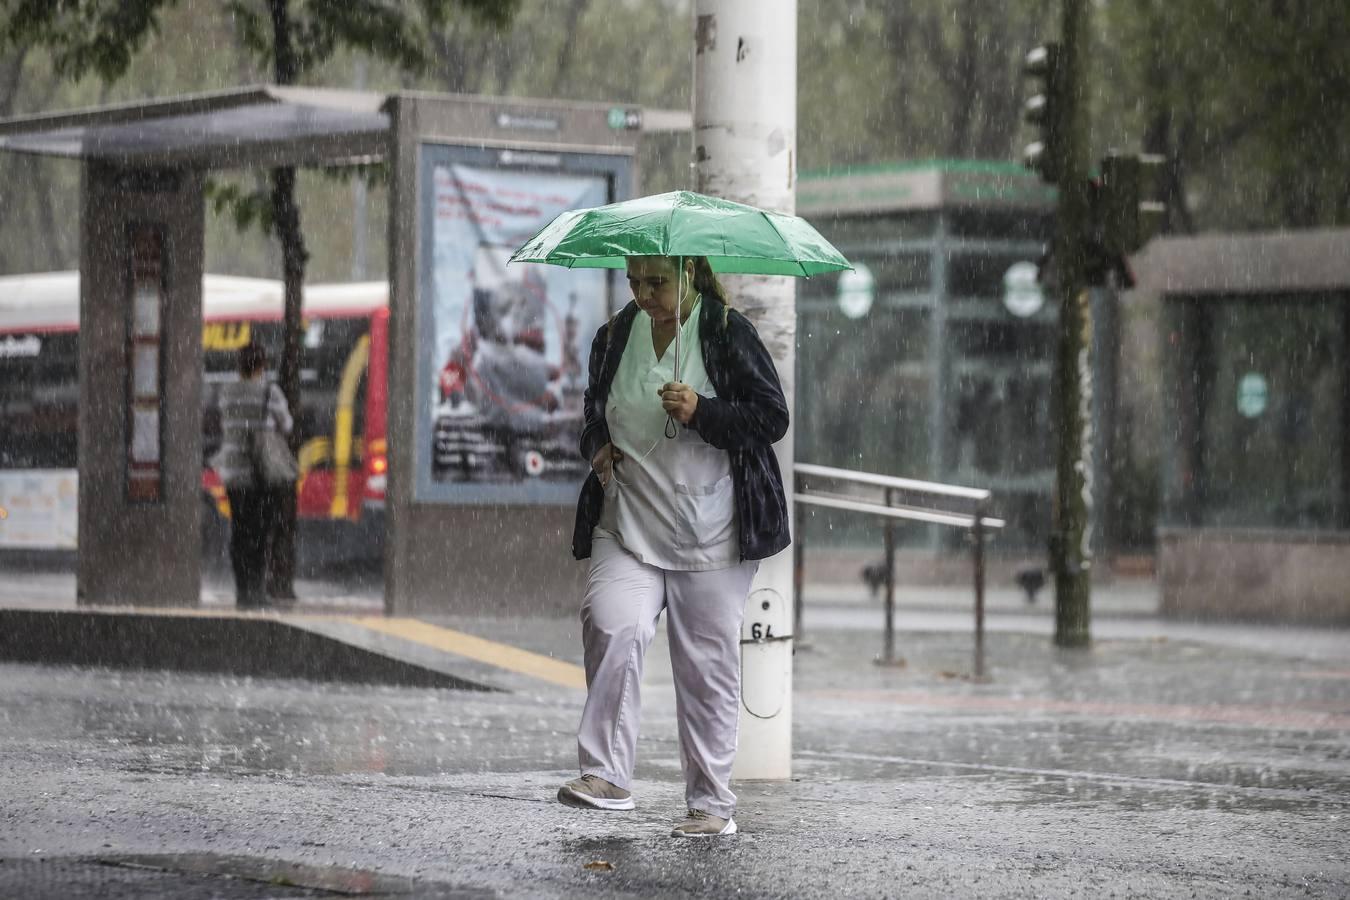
(467, 176)
(946, 340)
(1255, 344)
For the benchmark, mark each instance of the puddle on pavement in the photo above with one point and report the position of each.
(335, 880)
(79, 878)
(608, 854)
(601, 846)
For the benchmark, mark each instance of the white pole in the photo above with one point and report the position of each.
(745, 149)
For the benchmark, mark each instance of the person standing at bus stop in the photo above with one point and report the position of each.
(246, 406)
(676, 524)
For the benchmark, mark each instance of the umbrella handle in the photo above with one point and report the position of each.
(672, 429)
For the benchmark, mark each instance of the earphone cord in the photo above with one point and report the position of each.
(672, 429)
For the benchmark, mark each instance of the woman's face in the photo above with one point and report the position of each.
(656, 286)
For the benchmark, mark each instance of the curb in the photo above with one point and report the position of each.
(262, 645)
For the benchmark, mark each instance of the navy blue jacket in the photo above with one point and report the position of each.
(746, 417)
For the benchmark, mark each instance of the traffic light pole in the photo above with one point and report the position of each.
(1070, 544)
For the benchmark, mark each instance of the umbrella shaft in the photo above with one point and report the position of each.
(679, 315)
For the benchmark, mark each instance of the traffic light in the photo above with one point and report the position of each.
(1043, 109)
(1126, 213)
(1129, 203)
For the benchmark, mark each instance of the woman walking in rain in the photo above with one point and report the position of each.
(684, 499)
(246, 405)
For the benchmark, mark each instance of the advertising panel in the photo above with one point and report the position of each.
(39, 509)
(505, 347)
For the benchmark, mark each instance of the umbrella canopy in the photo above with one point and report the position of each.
(736, 239)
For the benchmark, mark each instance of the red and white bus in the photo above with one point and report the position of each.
(341, 422)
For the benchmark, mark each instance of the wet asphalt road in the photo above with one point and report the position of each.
(1142, 768)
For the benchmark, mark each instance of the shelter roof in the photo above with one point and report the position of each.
(262, 125)
(922, 185)
(1224, 264)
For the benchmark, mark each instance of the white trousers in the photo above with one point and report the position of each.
(624, 599)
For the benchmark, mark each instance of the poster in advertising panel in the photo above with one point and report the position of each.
(508, 344)
(39, 509)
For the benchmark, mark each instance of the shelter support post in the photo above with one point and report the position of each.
(140, 381)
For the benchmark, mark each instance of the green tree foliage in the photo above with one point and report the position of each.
(1248, 99)
(400, 34)
(920, 79)
(608, 51)
(286, 42)
(84, 36)
(102, 37)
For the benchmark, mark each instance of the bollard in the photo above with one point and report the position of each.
(977, 537)
(888, 653)
(765, 750)
(798, 572)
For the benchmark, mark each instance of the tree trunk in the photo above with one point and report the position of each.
(286, 221)
(11, 68)
(963, 84)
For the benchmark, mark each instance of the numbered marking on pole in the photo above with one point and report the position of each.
(766, 654)
(762, 631)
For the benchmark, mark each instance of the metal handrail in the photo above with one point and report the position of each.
(890, 481)
(896, 511)
(975, 521)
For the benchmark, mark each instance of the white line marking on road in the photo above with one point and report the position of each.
(1138, 780)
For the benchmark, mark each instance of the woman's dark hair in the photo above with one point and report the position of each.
(705, 282)
(252, 359)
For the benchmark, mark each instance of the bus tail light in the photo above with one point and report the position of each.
(376, 476)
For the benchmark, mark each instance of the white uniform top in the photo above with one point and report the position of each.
(671, 502)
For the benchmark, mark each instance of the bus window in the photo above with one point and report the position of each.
(39, 400)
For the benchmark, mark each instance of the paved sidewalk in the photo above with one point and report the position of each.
(1150, 767)
(358, 589)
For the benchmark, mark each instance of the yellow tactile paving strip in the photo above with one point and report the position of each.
(503, 656)
(446, 640)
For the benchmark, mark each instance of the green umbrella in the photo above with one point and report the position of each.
(736, 239)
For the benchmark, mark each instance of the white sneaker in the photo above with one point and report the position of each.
(594, 792)
(698, 823)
